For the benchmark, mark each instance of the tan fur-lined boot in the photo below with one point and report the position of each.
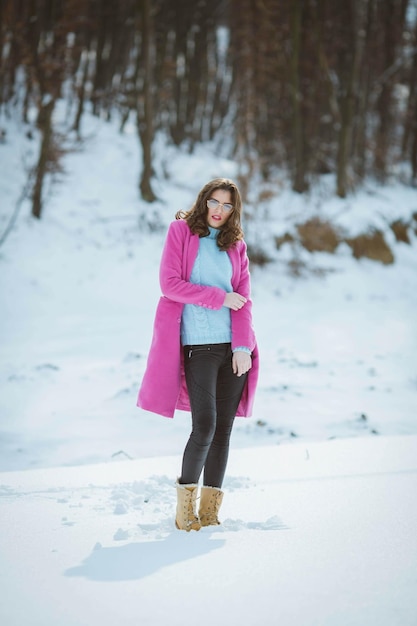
(211, 499)
(186, 518)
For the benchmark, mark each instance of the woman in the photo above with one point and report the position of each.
(203, 355)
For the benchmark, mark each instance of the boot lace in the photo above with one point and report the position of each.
(210, 513)
(189, 511)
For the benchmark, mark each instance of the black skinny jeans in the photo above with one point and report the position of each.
(215, 393)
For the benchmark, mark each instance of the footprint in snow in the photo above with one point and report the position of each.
(234, 525)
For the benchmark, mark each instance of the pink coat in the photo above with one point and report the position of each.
(163, 386)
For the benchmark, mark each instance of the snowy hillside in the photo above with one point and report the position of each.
(79, 289)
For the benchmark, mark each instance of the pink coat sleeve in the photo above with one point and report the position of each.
(243, 333)
(171, 274)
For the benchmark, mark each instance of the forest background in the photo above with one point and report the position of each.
(304, 87)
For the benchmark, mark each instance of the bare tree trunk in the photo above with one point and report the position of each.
(243, 50)
(81, 95)
(299, 179)
(145, 117)
(413, 139)
(412, 101)
(348, 105)
(360, 138)
(99, 77)
(393, 22)
(45, 126)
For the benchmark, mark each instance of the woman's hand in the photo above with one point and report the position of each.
(234, 301)
(241, 362)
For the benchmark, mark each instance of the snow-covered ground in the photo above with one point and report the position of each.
(319, 512)
(317, 534)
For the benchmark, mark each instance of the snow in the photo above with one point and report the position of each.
(319, 513)
(312, 534)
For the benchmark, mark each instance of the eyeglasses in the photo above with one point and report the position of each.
(212, 203)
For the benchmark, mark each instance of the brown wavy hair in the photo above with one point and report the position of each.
(196, 217)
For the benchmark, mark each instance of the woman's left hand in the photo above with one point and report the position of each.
(241, 362)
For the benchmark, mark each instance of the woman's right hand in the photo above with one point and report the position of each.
(234, 301)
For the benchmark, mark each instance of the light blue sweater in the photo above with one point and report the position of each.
(212, 267)
(198, 324)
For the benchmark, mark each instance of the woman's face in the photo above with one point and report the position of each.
(217, 216)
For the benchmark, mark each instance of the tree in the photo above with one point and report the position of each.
(145, 111)
(355, 22)
(304, 86)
